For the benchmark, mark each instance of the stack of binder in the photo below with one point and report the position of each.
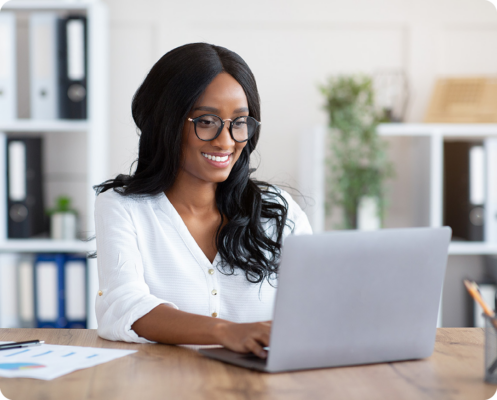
(58, 66)
(43, 291)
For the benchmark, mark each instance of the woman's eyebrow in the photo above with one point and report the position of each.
(205, 108)
(215, 110)
(241, 109)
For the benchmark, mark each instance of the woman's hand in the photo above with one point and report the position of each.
(245, 338)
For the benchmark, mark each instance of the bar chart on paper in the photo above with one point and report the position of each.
(48, 361)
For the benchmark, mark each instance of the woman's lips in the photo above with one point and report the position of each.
(220, 160)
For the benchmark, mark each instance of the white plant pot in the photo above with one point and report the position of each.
(63, 226)
(367, 214)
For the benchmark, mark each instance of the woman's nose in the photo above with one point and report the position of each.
(224, 140)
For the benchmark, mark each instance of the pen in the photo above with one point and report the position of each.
(473, 291)
(17, 345)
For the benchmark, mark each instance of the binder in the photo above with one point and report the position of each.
(464, 189)
(49, 291)
(8, 290)
(75, 290)
(8, 79)
(72, 46)
(26, 215)
(3, 187)
(26, 290)
(43, 65)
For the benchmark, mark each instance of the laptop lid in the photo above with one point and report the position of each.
(351, 297)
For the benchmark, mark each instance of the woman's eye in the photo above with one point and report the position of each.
(205, 122)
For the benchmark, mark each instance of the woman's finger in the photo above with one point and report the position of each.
(257, 349)
(263, 338)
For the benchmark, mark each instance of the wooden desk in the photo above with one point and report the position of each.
(454, 371)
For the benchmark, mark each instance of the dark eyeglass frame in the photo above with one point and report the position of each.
(232, 122)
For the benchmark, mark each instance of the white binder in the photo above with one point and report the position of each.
(75, 290)
(47, 291)
(8, 80)
(8, 290)
(43, 65)
(25, 280)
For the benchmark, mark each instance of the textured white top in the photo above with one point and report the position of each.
(146, 256)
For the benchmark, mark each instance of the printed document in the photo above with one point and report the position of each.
(49, 361)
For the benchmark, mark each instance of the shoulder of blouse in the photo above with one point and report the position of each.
(111, 198)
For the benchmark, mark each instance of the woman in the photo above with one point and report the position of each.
(188, 245)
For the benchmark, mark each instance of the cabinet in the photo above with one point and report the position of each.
(75, 151)
(435, 135)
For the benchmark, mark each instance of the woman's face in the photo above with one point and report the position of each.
(225, 98)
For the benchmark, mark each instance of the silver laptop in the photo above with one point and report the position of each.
(350, 297)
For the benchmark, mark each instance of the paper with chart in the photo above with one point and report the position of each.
(50, 361)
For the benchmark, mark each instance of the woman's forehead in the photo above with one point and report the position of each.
(223, 91)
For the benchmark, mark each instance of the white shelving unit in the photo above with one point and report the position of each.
(95, 128)
(437, 134)
(312, 174)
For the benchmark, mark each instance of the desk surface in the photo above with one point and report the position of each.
(454, 371)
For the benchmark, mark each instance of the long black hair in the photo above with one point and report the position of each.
(160, 107)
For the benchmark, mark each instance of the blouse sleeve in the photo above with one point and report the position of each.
(123, 296)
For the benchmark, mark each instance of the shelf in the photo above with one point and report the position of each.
(446, 130)
(20, 5)
(475, 248)
(46, 246)
(28, 125)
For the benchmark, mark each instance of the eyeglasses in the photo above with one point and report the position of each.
(209, 126)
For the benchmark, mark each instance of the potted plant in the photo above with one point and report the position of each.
(63, 220)
(357, 165)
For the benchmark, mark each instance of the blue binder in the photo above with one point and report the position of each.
(49, 291)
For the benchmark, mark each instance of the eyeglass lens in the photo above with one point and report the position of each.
(208, 126)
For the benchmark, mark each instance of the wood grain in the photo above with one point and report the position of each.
(454, 371)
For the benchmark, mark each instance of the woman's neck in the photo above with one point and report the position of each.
(192, 195)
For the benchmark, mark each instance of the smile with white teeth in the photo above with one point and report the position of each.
(216, 158)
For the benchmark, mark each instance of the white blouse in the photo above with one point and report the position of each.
(146, 256)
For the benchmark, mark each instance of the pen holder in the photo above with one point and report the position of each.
(490, 349)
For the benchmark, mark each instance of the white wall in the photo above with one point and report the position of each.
(292, 46)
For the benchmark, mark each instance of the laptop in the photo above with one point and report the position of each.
(352, 297)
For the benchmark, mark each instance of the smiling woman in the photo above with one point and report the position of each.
(189, 245)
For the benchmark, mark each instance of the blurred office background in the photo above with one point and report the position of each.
(293, 47)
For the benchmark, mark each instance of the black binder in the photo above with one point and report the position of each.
(72, 46)
(465, 219)
(26, 213)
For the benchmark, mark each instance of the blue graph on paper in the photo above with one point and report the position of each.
(50, 361)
